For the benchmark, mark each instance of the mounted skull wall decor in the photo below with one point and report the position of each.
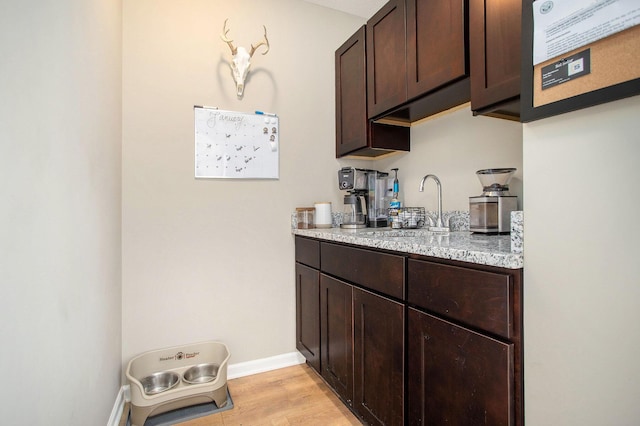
(241, 58)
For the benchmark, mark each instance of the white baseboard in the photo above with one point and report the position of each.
(118, 407)
(233, 371)
(265, 364)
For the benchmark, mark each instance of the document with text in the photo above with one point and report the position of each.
(564, 25)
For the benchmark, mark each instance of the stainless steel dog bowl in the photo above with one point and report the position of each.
(201, 373)
(159, 382)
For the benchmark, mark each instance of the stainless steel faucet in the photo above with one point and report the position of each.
(439, 224)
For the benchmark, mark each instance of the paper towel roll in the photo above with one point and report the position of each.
(323, 216)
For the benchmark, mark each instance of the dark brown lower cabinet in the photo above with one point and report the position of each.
(308, 314)
(407, 339)
(457, 376)
(378, 329)
(336, 331)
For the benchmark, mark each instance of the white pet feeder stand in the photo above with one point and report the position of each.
(177, 359)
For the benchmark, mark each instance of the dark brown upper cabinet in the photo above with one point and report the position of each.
(355, 133)
(423, 57)
(495, 28)
(436, 44)
(351, 94)
(417, 59)
(386, 60)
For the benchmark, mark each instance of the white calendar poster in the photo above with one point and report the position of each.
(236, 145)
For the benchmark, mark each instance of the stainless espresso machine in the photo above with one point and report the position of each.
(367, 200)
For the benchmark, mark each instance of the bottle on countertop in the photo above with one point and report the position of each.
(395, 200)
(395, 203)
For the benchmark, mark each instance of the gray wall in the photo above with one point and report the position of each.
(60, 146)
(581, 268)
(454, 147)
(213, 259)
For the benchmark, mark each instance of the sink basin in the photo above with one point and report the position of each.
(391, 233)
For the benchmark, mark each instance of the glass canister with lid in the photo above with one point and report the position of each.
(305, 216)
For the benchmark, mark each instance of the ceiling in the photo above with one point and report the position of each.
(362, 8)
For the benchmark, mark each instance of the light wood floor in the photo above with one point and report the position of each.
(288, 396)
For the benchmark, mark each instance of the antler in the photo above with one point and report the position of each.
(262, 43)
(226, 39)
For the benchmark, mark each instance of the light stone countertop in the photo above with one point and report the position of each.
(493, 250)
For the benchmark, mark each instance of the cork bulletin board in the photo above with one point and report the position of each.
(614, 60)
(602, 69)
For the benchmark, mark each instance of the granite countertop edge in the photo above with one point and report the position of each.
(490, 250)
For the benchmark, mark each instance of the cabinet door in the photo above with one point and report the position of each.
(308, 314)
(436, 44)
(336, 331)
(378, 359)
(495, 34)
(457, 376)
(351, 95)
(386, 60)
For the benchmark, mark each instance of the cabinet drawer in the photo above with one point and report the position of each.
(308, 252)
(478, 298)
(380, 272)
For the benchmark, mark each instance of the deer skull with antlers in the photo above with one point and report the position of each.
(241, 58)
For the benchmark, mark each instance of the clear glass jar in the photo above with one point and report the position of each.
(305, 217)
